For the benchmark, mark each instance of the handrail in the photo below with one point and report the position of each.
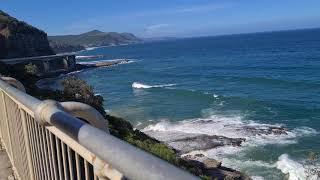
(12, 81)
(134, 163)
(26, 100)
(86, 112)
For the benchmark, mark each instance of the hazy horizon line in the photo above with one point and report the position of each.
(197, 36)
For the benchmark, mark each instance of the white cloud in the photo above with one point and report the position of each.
(157, 27)
(158, 30)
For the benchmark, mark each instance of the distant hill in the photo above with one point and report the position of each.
(19, 39)
(93, 38)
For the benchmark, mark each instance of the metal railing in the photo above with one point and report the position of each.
(44, 140)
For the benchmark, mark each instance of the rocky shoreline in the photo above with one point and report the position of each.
(191, 148)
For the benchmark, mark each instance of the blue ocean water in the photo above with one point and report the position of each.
(229, 83)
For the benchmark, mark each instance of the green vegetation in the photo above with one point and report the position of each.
(31, 69)
(64, 47)
(78, 90)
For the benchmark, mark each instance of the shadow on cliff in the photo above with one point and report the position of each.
(3, 49)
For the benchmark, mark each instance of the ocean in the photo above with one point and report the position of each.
(236, 86)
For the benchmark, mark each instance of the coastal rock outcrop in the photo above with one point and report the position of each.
(19, 39)
(213, 168)
(204, 142)
(266, 130)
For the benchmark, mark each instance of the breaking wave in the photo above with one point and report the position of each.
(91, 48)
(122, 61)
(74, 72)
(295, 170)
(137, 85)
(255, 134)
(231, 127)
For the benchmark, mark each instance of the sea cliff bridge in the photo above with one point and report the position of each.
(47, 140)
(47, 65)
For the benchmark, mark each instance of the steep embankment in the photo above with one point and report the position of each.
(19, 39)
(67, 43)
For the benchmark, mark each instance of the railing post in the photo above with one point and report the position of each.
(65, 63)
(9, 150)
(27, 143)
(46, 66)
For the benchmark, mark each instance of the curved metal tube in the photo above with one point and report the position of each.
(86, 112)
(13, 82)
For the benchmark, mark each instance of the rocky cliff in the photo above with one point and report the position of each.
(19, 39)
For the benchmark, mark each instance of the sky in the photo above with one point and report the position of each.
(165, 18)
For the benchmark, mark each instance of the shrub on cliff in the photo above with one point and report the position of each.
(31, 69)
(78, 90)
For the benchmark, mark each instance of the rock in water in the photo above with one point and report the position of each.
(203, 142)
(213, 168)
(211, 164)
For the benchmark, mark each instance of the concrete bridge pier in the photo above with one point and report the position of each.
(65, 63)
(46, 66)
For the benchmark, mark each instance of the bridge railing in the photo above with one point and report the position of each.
(44, 141)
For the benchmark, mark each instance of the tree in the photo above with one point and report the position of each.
(31, 69)
(76, 89)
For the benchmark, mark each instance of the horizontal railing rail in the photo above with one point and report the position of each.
(45, 140)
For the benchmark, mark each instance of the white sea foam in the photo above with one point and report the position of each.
(233, 127)
(91, 48)
(236, 163)
(83, 57)
(257, 178)
(294, 169)
(127, 62)
(138, 123)
(73, 72)
(122, 61)
(145, 86)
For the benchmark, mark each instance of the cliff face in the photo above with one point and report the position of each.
(19, 39)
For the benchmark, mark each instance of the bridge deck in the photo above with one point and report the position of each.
(35, 58)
